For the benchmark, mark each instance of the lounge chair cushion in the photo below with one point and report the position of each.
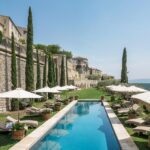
(136, 121)
(31, 123)
(5, 128)
(142, 129)
(123, 110)
(126, 110)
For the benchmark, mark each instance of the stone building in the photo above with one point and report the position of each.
(72, 73)
(1, 27)
(81, 66)
(95, 71)
(23, 31)
(9, 27)
(107, 77)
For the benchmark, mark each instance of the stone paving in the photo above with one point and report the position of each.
(123, 137)
(37, 134)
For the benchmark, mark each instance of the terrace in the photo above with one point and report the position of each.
(90, 94)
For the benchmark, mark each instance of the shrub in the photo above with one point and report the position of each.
(112, 99)
(18, 126)
(132, 111)
(46, 111)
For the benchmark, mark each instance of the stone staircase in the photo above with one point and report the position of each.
(2, 105)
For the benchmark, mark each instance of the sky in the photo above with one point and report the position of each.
(95, 29)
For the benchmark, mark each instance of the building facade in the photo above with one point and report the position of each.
(9, 27)
(1, 27)
(81, 66)
(23, 38)
(72, 73)
(95, 71)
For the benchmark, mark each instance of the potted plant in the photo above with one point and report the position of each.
(46, 114)
(132, 114)
(76, 97)
(18, 131)
(57, 106)
(71, 98)
(66, 101)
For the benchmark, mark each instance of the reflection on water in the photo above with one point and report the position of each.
(85, 127)
(49, 145)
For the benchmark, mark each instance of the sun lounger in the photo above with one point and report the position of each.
(31, 123)
(36, 111)
(5, 128)
(136, 121)
(116, 106)
(142, 129)
(126, 110)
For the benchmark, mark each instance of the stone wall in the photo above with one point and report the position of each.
(5, 72)
(5, 68)
(58, 60)
(85, 83)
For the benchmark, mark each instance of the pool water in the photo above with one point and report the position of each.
(85, 127)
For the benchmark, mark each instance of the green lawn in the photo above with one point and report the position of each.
(90, 93)
(6, 142)
(5, 139)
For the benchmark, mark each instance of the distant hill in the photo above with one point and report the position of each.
(140, 81)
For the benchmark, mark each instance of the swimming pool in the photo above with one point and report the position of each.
(85, 127)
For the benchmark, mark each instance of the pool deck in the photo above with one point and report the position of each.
(37, 134)
(123, 137)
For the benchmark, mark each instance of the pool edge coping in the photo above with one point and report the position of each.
(27, 142)
(125, 140)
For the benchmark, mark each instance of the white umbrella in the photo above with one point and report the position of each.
(19, 94)
(61, 88)
(117, 88)
(72, 87)
(57, 88)
(64, 88)
(135, 89)
(145, 97)
(122, 88)
(47, 90)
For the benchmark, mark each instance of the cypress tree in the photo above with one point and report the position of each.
(13, 64)
(50, 72)
(44, 72)
(66, 71)
(62, 78)
(29, 54)
(124, 76)
(38, 83)
(14, 102)
(56, 74)
(50, 75)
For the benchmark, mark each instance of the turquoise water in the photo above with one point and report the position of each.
(85, 127)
